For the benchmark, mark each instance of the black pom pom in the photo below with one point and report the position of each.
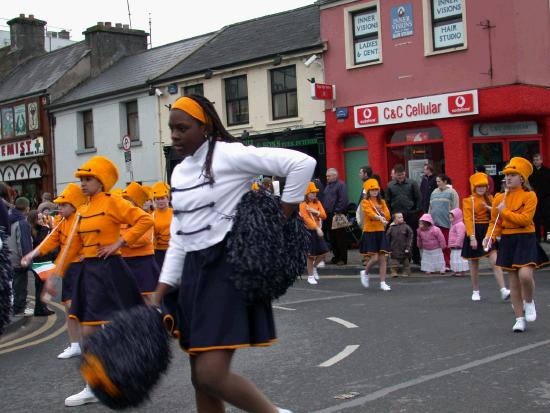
(5, 278)
(123, 361)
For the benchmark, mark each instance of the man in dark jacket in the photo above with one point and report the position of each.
(335, 201)
(403, 195)
(540, 180)
(427, 186)
(20, 244)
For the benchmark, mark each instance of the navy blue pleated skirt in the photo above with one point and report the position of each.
(159, 257)
(318, 245)
(146, 271)
(210, 313)
(470, 254)
(69, 281)
(374, 243)
(103, 286)
(520, 250)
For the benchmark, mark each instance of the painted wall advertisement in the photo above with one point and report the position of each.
(402, 21)
(22, 149)
(19, 120)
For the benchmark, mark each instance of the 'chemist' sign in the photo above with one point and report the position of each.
(413, 110)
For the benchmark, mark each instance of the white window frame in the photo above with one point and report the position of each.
(348, 33)
(428, 30)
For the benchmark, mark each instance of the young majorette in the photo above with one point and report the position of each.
(68, 202)
(457, 233)
(104, 283)
(477, 214)
(162, 216)
(140, 255)
(518, 249)
(207, 185)
(431, 241)
(313, 214)
(149, 204)
(374, 243)
(400, 238)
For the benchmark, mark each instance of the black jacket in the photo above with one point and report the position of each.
(403, 197)
(540, 180)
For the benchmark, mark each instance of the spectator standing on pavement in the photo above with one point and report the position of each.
(541, 185)
(427, 186)
(20, 244)
(313, 214)
(457, 234)
(335, 201)
(403, 195)
(430, 239)
(442, 201)
(365, 172)
(374, 243)
(400, 238)
(477, 214)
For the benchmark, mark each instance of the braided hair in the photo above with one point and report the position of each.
(216, 132)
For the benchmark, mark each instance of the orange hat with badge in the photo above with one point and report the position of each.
(72, 194)
(371, 184)
(478, 179)
(100, 168)
(149, 191)
(136, 193)
(311, 188)
(160, 189)
(519, 165)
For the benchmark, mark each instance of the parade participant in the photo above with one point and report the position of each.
(140, 255)
(374, 243)
(400, 239)
(518, 250)
(207, 185)
(104, 283)
(457, 233)
(431, 241)
(148, 205)
(313, 214)
(162, 216)
(477, 214)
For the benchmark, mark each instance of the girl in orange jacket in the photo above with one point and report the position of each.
(162, 217)
(313, 214)
(374, 243)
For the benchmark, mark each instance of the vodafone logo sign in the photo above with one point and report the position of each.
(417, 109)
(367, 115)
(461, 103)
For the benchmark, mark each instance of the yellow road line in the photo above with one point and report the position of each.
(34, 343)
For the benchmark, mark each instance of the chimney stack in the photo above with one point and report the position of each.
(27, 35)
(64, 34)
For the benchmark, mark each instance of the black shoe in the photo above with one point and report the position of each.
(44, 313)
(333, 261)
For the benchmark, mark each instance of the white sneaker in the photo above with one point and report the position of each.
(311, 279)
(72, 351)
(476, 296)
(84, 397)
(321, 264)
(315, 274)
(519, 326)
(504, 293)
(384, 286)
(284, 410)
(530, 311)
(364, 278)
(29, 312)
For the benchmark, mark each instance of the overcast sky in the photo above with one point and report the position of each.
(171, 20)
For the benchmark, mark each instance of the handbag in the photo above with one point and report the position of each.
(359, 216)
(340, 221)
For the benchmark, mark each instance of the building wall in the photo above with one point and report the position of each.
(109, 127)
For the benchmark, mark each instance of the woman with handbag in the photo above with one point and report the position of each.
(313, 214)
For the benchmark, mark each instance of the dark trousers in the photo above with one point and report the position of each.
(446, 251)
(20, 281)
(411, 219)
(338, 241)
(39, 306)
(542, 219)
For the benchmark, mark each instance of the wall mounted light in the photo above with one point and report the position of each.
(208, 74)
(277, 60)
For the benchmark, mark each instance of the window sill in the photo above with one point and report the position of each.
(237, 127)
(450, 50)
(285, 120)
(352, 66)
(85, 151)
(133, 144)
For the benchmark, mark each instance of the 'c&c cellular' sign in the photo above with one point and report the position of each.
(412, 110)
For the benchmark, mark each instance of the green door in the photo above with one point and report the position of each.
(356, 155)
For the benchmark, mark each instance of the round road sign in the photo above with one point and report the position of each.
(126, 143)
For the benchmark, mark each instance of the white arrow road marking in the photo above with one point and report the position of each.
(284, 308)
(340, 356)
(345, 323)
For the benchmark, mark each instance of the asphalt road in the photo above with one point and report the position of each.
(423, 347)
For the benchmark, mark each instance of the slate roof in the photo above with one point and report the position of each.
(267, 36)
(39, 73)
(134, 71)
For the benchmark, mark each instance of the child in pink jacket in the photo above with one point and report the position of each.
(456, 240)
(431, 241)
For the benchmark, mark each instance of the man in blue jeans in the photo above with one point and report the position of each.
(335, 201)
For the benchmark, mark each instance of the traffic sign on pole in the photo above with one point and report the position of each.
(126, 143)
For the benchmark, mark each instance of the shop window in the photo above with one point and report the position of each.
(365, 34)
(415, 135)
(446, 23)
(197, 89)
(236, 100)
(88, 129)
(132, 120)
(284, 98)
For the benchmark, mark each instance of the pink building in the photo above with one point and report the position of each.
(456, 83)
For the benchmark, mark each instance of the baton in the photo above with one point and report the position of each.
(488, 247)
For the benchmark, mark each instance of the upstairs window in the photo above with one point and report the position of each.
(448, 29)
(366, 36)
(88, 129)
(132, 120)
(284, 98)
(193, 90)
(236, 100)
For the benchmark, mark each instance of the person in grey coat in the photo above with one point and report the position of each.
(335, 201)
(400, 237)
